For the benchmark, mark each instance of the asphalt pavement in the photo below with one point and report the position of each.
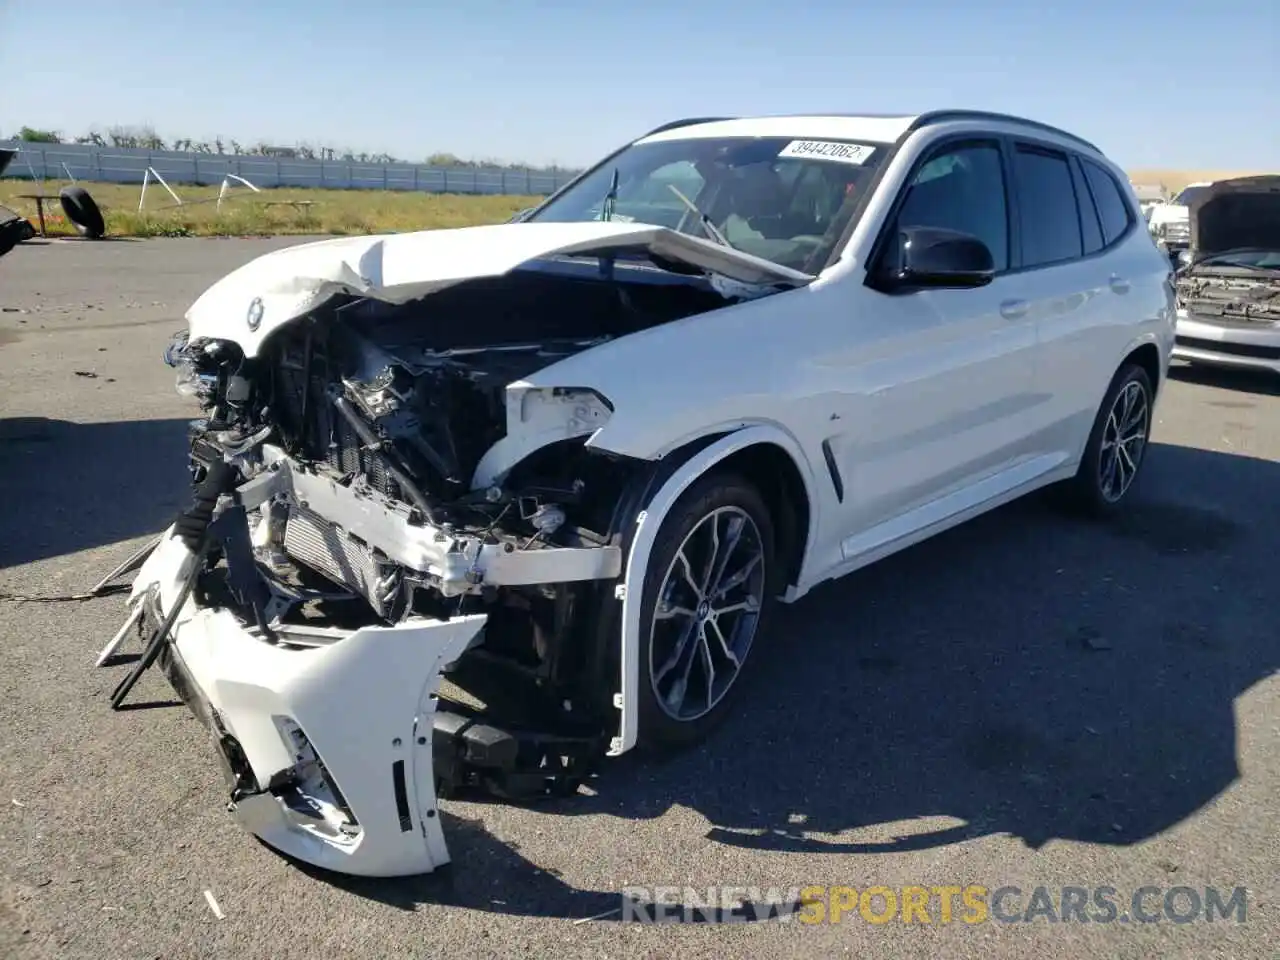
(1027, 701)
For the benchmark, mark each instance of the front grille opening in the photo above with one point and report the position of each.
(309, 792)
(303, 368)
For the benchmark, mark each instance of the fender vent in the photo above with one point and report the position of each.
(402, 796)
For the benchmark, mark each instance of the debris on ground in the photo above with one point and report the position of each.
(213, 905)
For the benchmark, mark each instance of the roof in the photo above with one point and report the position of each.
(871, 128)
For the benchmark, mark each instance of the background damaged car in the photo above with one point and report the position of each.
(479, 507)
(1229, 278)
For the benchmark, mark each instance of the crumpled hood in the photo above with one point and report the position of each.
(248, 304)
(1243, 213)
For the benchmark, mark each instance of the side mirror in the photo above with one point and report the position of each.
(936, 257)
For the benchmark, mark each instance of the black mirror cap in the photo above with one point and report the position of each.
(937, 257)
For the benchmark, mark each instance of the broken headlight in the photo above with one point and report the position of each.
(186, 360)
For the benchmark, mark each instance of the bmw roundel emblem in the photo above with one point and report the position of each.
(254, 317)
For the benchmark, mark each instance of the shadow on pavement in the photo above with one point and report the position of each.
(1026, 674)
(1227, 378)
(72, 486)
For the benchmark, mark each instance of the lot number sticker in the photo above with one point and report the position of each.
(854, 153)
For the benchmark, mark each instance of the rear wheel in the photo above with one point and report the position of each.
(710, 584)
(1117, 444)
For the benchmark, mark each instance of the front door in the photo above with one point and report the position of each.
(940, 379)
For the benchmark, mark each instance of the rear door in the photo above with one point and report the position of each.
(1072, 293)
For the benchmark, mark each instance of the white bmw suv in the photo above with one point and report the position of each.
(483, 506)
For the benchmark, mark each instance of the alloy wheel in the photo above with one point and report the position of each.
(1124, 439)
(707, 612)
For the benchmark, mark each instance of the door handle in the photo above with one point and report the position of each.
(1014, 309)
(1119, 284)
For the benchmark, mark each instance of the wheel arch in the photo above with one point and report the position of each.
(753, 451)
(1147, 356)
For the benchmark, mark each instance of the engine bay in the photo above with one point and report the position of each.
(379, 480)
(1230, 294)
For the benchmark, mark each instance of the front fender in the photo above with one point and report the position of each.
(649, 520)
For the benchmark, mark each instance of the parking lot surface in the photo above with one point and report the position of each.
(1028, 701)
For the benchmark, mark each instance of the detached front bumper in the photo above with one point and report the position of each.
(327, 749)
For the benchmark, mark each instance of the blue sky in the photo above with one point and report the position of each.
(1157, 84)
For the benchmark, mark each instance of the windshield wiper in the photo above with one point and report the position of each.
(610, 198)
(707, 225)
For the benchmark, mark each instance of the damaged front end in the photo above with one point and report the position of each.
(1228, 284)
(409, 583)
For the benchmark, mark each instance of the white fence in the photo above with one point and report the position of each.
(121, 165)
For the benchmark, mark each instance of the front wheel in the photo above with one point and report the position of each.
(710, 583)
(1117, 445)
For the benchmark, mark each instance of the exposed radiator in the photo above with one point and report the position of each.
(310, 540)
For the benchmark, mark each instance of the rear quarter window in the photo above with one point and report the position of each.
(1113, 211)
(1090, 223)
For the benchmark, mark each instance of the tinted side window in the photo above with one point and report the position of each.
(1093, 241)
(1047, 217)
(962, 189)
(1113, 210)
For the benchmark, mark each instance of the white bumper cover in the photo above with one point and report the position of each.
(363, 703)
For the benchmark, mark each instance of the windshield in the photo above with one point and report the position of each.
(1189, 195)
(778, 198)
(1249, 259)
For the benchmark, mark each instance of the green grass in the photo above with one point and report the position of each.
(247, 214)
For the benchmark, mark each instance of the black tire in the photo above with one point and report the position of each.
(13, 230)
(1088, 490)
(726, 497)
(82, 210)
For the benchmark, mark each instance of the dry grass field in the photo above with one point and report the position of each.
(1175, 180)
(271, 212)
(337, 212)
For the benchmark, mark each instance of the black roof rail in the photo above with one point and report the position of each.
(941, 116)
(687, 122)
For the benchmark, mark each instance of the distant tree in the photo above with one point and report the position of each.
(32, 135)
(145, 137)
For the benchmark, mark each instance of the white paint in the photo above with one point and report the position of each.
(362, 703)
(873, 129)
(400, 267)
(537, 417)
(936, 406)
(648, 522)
